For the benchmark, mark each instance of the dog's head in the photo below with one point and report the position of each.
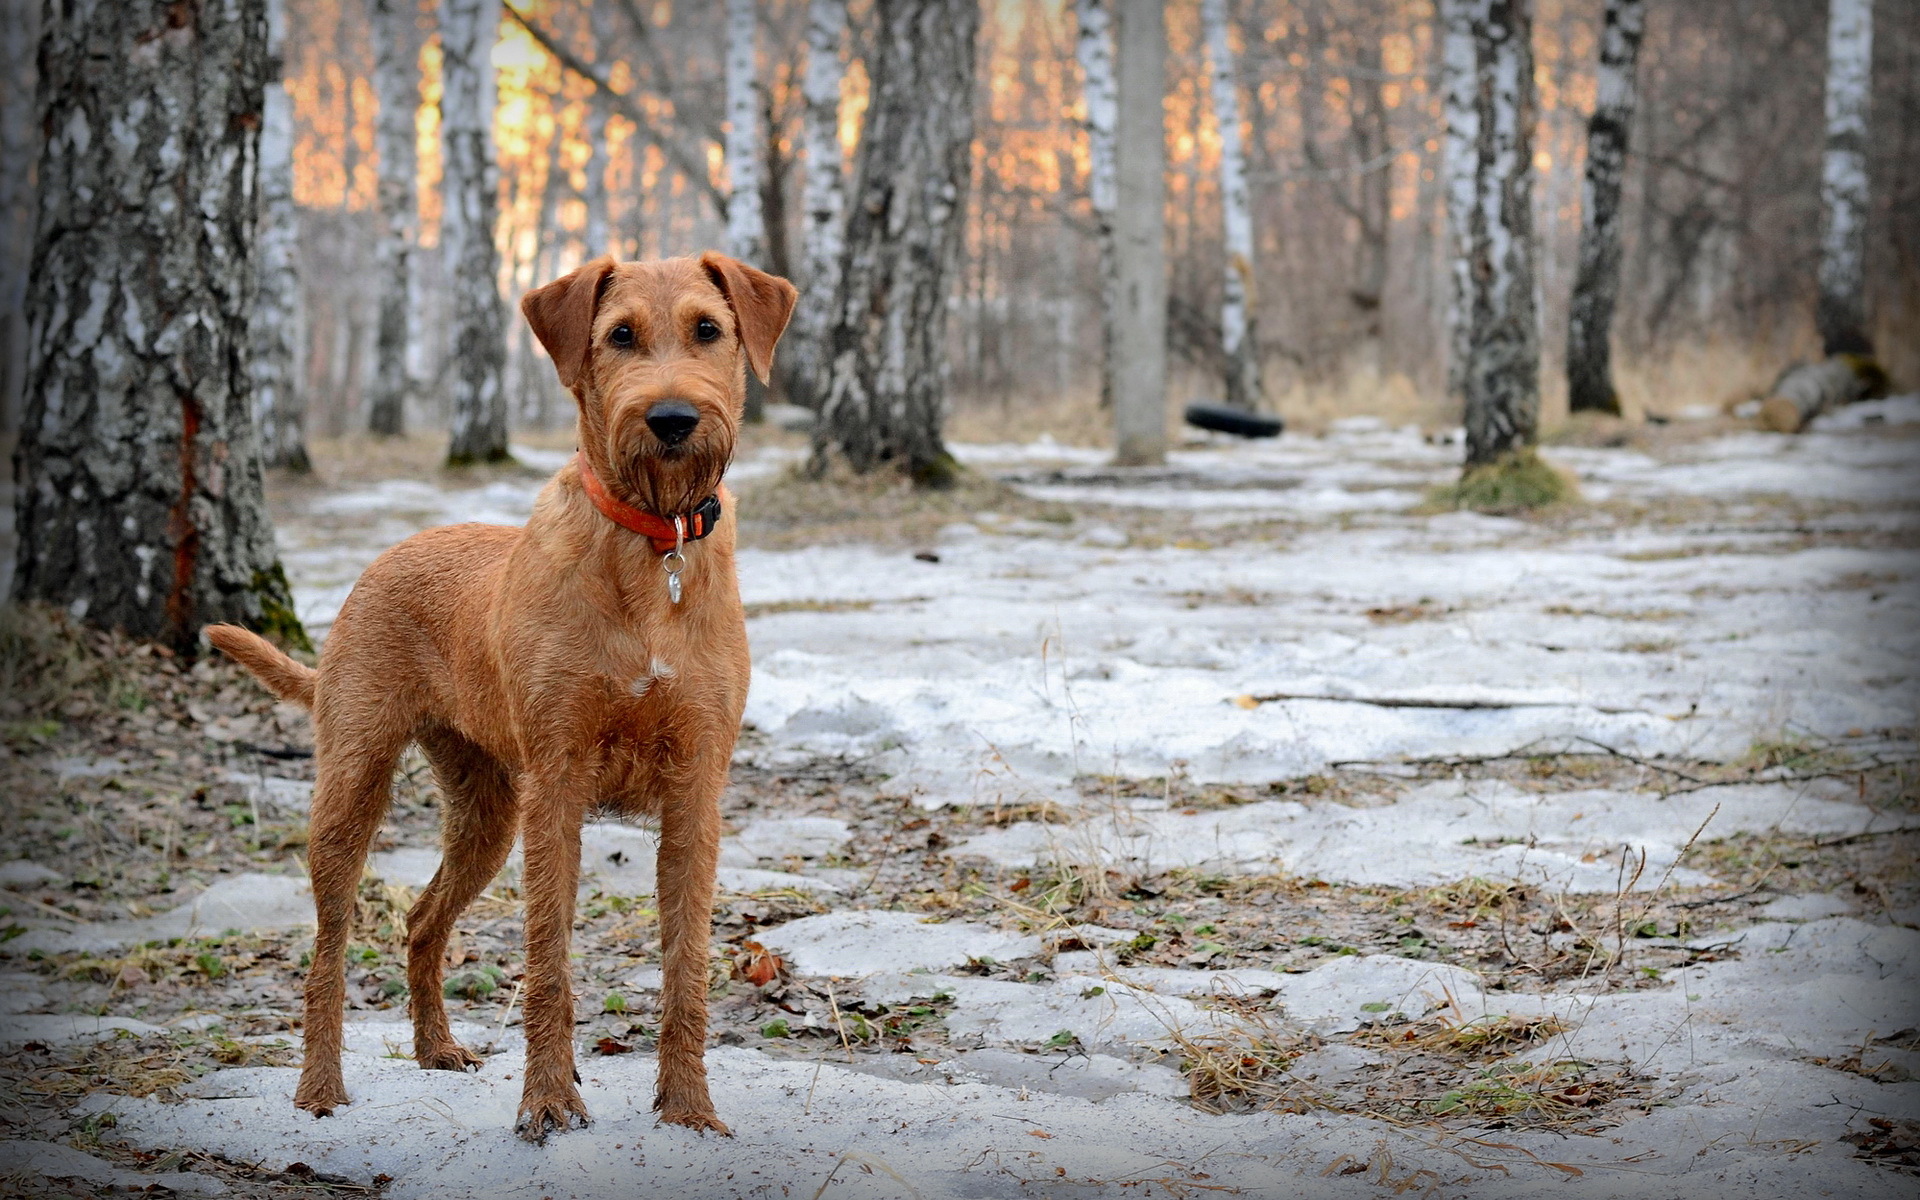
(656, 353)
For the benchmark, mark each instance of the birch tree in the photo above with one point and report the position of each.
(886, 393)
(278, 405)
(479, 346)
(1501, 377)
(1842, 314)
(396, 82)
(1596, 280)
(822, 236)
(138, 496)
(1095, 50)
(1139, 228)
(746, 227)
(1459, 92)
(1239, 340)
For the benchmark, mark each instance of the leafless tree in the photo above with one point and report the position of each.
(886, 396)
(278, 405)
(1597, 281)
(138, 502)
(396, 80)
(1501, 375)
(1843, 181)
(479, 318)
(1139, 226)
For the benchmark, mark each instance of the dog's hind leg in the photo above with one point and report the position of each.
(354, 785)
(477, 827)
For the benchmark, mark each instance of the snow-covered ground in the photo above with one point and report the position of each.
(1740, 590)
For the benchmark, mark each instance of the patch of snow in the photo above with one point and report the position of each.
(17, 1029)
(855, 943)
(20, 873)
(48, 1160)
(245, 903)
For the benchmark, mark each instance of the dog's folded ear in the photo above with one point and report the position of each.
(762, 303)
(561, 315)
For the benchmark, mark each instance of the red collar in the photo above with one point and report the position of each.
(663, 532)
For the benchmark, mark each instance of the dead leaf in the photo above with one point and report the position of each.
(608, 1045)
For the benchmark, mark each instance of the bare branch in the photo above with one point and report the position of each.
(682, 159)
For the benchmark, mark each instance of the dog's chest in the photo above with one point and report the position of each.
(657, 676)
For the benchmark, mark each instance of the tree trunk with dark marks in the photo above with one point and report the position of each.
(1239, 341)
(139, 503)
(1501, 346)
(886, 395)
(396, 79)
(279, 404)
(1596, 281)
(822, 232)
(1842, 314)
(1097, 88)
(479, 346)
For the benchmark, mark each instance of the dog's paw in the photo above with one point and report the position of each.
(320, 1095)
(696, 1119)
(448, 1057)
(542, 1115)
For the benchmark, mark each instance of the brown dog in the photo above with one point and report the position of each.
(548, 672)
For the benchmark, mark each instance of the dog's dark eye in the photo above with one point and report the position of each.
(622, 335)
(706, 330)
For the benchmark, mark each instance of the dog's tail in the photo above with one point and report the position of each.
(284, 677)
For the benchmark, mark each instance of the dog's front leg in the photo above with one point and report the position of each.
(688, 857)
(552, 811)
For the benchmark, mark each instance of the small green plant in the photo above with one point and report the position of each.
(209, 964)
(776, 1028)
(477, 984)
(614, 1003)
(1516, 482)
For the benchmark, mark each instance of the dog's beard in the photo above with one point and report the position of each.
(671, 479)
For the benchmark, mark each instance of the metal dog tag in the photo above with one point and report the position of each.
(674, 561)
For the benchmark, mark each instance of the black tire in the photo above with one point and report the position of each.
(1236, 421)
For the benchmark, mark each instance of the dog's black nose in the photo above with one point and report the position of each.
(672, 421)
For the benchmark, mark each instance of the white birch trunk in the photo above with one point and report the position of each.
(598, 233)
(396, 82)
(467, 32)
(1139, 227)
(746, 228)
(1842, 312)
(886, 396)
(823, 238)
(1237, 312)
(1597, 279)
(279, 408)
(1501, 375)
(1459, 82)
(138, 503)
(1095, 49)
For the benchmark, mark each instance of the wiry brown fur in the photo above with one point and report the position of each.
(545, 674)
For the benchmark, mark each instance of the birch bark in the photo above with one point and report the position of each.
(1596, 280)
(1238, 317)
(1842, 315)
(276, 326)
(138, 485)
(396, 82)
(468, 200)
(1501, 375)
(823, 239)
(1095, 50)
(746, 227)
(1459, 90)
(886, 394)
(1139, 227)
